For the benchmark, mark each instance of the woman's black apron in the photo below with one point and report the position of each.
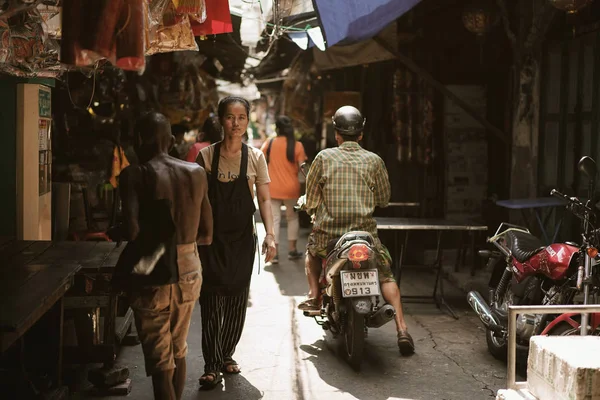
(227, 263)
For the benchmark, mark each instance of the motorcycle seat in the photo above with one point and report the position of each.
(523, 245)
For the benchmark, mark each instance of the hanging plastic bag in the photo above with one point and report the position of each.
(217, 19)
(195, 9)
(77, 48)
(130, 37)
(178, 37)
(27, 52)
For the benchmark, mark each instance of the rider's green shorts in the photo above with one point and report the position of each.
(384, 266)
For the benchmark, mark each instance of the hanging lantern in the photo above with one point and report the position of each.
(479, 17)
(569, 6)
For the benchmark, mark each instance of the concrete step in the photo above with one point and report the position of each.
(564, 367)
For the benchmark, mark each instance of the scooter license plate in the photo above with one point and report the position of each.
(364, 282)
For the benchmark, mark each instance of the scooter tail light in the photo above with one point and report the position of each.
(358, 253)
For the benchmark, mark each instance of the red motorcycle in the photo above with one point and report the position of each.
(588, 275)
(526, 272)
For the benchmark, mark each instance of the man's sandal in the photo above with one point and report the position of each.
(231, 367)
(405, 343)
(210, 380)
(311, 304)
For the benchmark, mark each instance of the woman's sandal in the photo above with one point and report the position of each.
(208, 384)
(231, 367)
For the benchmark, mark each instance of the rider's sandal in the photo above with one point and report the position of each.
(405, 343)
(310, 304)
(208, 384)
(231, 367)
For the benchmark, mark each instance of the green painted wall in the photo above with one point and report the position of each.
(8, 149)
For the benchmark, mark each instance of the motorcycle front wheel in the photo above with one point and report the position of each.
(353, 340)
(497, 346)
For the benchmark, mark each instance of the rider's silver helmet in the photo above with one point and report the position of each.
(347, 120)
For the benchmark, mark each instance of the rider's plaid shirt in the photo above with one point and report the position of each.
(344, 185)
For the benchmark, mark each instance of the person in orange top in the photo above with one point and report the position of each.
(284, 156)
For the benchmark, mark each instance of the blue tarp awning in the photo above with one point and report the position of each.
(351, 21)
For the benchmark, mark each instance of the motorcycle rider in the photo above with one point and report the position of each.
(343, 187)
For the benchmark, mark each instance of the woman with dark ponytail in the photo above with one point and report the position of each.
(284, 156)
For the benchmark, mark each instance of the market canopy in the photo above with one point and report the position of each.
(352, 21)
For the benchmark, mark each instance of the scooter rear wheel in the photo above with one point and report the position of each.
(353, 340)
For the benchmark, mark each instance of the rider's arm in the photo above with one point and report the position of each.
(314, 195)
(382, 188)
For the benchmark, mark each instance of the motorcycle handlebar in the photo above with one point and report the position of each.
(558, 194)
(571, 202)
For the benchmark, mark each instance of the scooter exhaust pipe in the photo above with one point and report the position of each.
(382, 316)
(483, 311)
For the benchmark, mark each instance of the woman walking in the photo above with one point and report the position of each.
(234, 170)
(284, 156)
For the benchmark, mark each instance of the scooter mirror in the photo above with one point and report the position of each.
(588, 167)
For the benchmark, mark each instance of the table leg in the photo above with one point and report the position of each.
(558, 225)
(61, 320)
(541, 224)
(438, 264)
(473, 256)
(457, 262)
(439, 279)
(110, 323)
(399, 255)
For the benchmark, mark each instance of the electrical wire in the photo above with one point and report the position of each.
(93, 88)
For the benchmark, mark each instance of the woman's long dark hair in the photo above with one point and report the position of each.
(212, 131)
(285, 128)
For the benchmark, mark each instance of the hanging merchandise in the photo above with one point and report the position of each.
(26, 50)
(104, 29)
(70, 48)
(177, 37)
(218, 19)
(11, 8)
(89, 34)
(102, 18)
(130, 37)
(51, 16)
(156, 10)
(196, 9)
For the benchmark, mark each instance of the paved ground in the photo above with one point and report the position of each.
(284, 356)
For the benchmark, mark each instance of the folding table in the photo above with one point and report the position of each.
(406, 225)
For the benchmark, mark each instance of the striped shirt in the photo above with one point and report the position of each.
(343, 187)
